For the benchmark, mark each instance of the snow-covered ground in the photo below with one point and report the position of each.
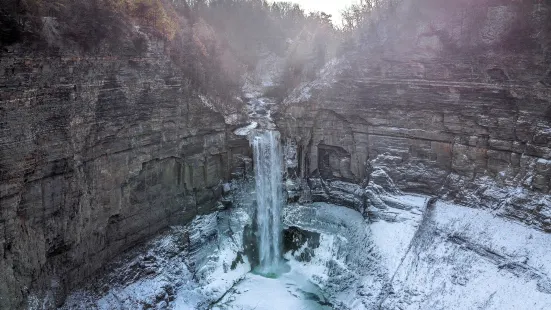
(186, 268)
(465, 258)
(412, 253)
(289, 291)
(393, 232)
(148, 276)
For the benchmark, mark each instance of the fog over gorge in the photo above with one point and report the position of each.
(251, 154)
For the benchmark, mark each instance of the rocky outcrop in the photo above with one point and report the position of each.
(450, 98)
(186, 267)
(98, 153)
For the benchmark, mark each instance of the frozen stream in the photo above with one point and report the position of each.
(291, 290)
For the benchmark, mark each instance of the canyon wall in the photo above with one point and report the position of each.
(449, 98)
(98, 153)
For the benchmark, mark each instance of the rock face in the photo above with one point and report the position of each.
(97, 154)
(450, 98)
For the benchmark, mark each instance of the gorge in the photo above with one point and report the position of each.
(175, 164)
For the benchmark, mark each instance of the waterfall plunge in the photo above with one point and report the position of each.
(269, 195)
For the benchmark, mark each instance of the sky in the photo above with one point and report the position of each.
(333, 7)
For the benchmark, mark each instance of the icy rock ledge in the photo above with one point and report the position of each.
(187, 267)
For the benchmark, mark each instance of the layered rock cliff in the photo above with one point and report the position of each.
(98, 153)
(449, 98)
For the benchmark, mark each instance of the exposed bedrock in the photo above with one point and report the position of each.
(97, 154)
(449, 98)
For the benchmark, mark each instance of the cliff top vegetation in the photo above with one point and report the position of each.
(215, 42)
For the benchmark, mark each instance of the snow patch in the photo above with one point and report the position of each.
(245, 131)
(471, 259)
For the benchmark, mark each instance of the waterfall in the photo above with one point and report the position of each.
(269, 195)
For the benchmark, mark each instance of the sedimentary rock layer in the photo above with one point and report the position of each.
(96, 154)
(449, 97)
